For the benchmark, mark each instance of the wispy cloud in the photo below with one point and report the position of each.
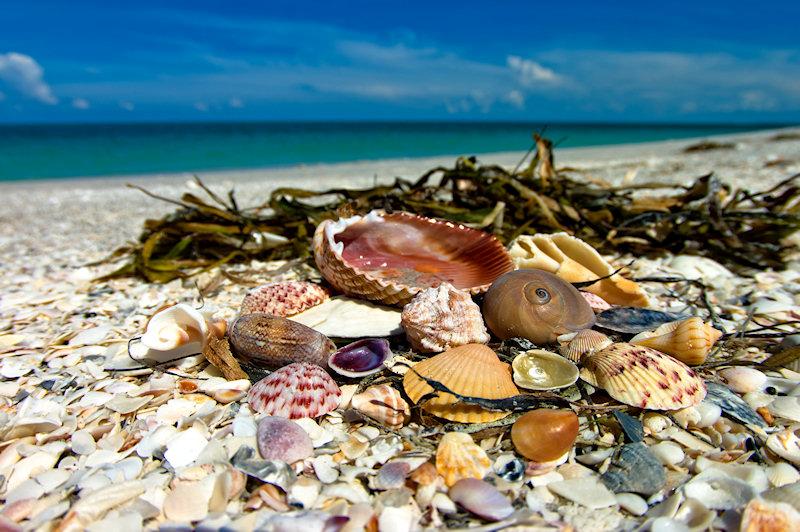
(26, 76)
(201, 106)
(127, 106)
(530, 72)
(80, 103)
(236, 103)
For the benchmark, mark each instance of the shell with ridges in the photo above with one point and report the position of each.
(643, 377)
(473, 370)
(384, 404)
(391, 257)
(458, 457)
(295, 391)
(574, 260)
(766, 516)
(538, 369)
(583, 343)
(688, 340)
(283, 298)
(443, 317)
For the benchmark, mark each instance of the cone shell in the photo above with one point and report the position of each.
(574, 260)
(384, 404)
(643, 377)
(390, 258)
(283, 299)
(443, 317)
(472, 370)
(583, 343)
(688, 340)
(458, 457)
(295, 391)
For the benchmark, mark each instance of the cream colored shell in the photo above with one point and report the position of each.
(384, 404)
(458, 457)
(538, 369)
(688, 340)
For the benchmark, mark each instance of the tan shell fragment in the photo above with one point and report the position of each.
(384, 404)
(443, 317)
(688, 340)
(458, 457)
(473, 370)
(583, 343)
(642, 377)
(574, 260)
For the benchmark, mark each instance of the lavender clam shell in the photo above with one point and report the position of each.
(361, 358)
(481, 498)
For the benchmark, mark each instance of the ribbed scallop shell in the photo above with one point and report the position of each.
(384, 404)
(443, 317)
(283, 299)
(644, 378)
(583, 343)
(391, 257)
(295, 391)
(472, 370)
(688, 340)
(458, 457)
(574, 260)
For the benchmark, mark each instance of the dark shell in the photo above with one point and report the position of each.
(536, 305)
(632, 427)
(633, 320)
(732, 405)
(361, 358)
(267, 341)
(634, 469)
(281, 439)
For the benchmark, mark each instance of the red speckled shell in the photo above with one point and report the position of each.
(295, 391)
(283, 299)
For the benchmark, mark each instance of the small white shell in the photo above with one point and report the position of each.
(782, 474)
(786, 444)
(668, 452)
(174, 327)
(742, 379)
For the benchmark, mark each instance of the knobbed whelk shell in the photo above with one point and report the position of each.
(391, 257)
(583, 343)
(536, 305)
(538, 369)
(643, 377)
(574, 260)
(458, 457)
(269, 341)
(384, 404)
(295, 391)
(688, 340)
(443, 317)
(283, 299)
(544, 435)
(473, 370)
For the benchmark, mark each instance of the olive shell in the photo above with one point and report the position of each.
(267, 341)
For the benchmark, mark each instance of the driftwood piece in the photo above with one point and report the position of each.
(218, 353)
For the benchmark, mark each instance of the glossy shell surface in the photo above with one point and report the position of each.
(361, 358)
(544, 435)
(283, 299)
(443, 317)
(473, 370)
(535, 305)
(384, 404)
(458, 457)
(538, 369)
(389, 258)
(295, 391)
(173, 327)
(688, 340)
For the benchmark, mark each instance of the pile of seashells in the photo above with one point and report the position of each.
(437, 380)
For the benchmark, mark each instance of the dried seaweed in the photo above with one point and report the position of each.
(738, 228)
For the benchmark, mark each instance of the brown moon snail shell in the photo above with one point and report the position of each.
(536, 305)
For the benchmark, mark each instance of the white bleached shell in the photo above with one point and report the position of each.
(586, 491)
(384, 404)
(718, 490)
(668, 453)
(688, 340)
(443, 317)
(342, 317)
(185, 447)
(742, 379)
(173, 327)
(786, 444)
(789, 493)
(782, 474)
(538, 369)
(786, 407)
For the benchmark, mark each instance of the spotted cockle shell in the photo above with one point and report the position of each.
(390, 257)
(643, 377)
(458, 457)
(179, 325)
(295, 391)
(538, 369)
(688, 340)
(384, 404)
(283, 299)
(583, 343)
(574, 260)
(473, 370)
(443, 317)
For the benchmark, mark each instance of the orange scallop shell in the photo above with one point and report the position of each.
(389, 258)
(472, 370)
(458, 457)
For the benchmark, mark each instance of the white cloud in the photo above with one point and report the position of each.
(531, 72)
(515, 98)
(236, 103)
(80, 103)
(127, 106)
(201, 106)
(24, 74)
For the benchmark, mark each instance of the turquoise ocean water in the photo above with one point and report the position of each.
(51, 151)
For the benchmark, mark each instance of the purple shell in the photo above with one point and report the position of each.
(481, 498)
(295, 391)
(284, 440)
(360, 358)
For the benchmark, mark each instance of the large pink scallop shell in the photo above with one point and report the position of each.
(391, 257)
(295, 391)
(283, 298)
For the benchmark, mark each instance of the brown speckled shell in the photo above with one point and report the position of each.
(435, 251)
(268, 341)
(283, 299)
(688, 340)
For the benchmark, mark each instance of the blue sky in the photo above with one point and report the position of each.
(286, 60)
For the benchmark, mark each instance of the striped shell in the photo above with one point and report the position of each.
(295, 391)
(384, 404)
(643, 377)
(574, 260)
(688, 340)
(458, 457)
(390, 258)
(283, 299)
(443, 317)
(583, 343)
(472, 370)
